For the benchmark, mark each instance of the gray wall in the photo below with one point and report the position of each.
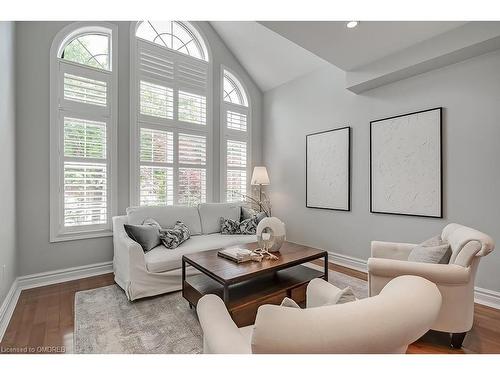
(7, 160)
(470, 94)
(33, 41)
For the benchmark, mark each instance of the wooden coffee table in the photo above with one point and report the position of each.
(245, 286)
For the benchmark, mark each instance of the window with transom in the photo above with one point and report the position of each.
(171, 122)
(83, 106)
(235, 138)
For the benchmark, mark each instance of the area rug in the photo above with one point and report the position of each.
(106, 322)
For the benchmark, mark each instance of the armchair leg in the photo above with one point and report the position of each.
(457, 339)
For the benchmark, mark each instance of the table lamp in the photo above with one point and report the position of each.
(260, 177)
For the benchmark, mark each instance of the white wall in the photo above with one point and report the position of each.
(470, 94)
(33, 41)
(8, 254)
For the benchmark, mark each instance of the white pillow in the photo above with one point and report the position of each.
(343, 296)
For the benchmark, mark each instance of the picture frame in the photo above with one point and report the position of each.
(406, 164)
(328, 169)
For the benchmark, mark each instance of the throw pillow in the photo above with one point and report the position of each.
(229, 226)
(248, 226)
(147, 235)
(249, 213)
(288, 302)
(174, 236)
(434, 250)
(345, 295)
(260, 216)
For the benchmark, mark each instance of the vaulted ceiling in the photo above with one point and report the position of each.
(269, 58)
(372, 54)
(351, 48)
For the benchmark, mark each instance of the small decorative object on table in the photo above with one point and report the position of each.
(271, 234)
(236, 254)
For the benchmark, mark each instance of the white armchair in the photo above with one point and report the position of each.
(454, 280)
(387, 323)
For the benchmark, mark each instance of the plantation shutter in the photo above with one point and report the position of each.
(84, 116)
(82, 131)
(172, 121)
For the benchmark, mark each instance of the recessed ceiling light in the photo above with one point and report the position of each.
(352, 24)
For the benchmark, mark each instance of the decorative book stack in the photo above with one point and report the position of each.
(236, 254)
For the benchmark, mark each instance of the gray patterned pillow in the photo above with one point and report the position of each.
(174, 236)
(229, 226)
(247, 226)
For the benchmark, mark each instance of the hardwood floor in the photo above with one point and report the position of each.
(43, 321)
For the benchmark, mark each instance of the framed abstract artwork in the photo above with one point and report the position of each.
(328, 169)
(406, 164)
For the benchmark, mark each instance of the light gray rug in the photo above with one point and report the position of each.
(106, 322)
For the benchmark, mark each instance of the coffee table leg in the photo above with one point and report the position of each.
(326, 267)
(226, 294)
(183, 272)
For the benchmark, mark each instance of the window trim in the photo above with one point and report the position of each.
(59, 42)
(150, 122)
(234, 134)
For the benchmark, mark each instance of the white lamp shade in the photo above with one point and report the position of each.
(260, 176)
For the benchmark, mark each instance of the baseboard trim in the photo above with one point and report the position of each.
(486, 297)
(44, 279)
(8, 306)
(348, 261)
(59, 276)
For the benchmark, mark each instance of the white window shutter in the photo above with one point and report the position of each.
(172, 120)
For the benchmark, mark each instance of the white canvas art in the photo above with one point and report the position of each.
(406, 164)
(327, 175)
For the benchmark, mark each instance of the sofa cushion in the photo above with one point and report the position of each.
(161, 259)
(210, 214)
(166, 216)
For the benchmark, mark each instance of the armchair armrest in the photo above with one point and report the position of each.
(437, 273)
(391, 250)
(220, 334)
(319, 292)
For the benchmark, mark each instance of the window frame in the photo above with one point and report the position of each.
(190, 28)
(151, 122)
(232, 134)
(58, 110)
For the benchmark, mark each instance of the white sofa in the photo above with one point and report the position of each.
(159, 271)
(386, 323)
(454, 280)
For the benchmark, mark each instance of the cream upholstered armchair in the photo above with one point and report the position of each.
(454, 280)
(387, 323)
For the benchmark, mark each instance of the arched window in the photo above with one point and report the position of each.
(83, 131)
(92, 49)
(171, 129)
(178, 36)
(235, 138)
(233, 90)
